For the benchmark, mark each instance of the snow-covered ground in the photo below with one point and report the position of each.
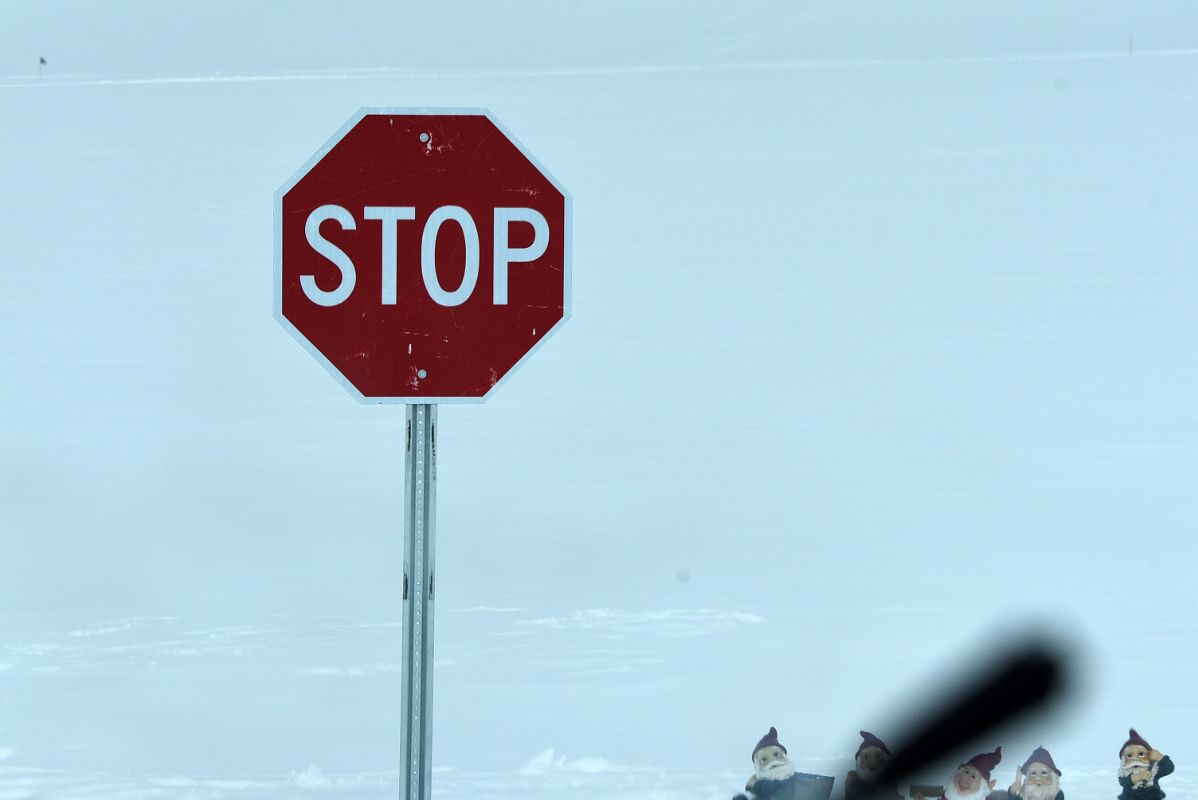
(882, 355)
(288, 706)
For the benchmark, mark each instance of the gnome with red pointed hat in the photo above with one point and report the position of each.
(972, 779)
(1037, 779)
(872, 756)
(1140, 767)
(774, 776)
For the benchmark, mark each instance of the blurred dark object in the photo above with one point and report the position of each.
(1027, 680)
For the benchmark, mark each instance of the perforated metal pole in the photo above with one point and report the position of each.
(420, 527)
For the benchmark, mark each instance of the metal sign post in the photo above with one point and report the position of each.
(420, 529)
(421, 255)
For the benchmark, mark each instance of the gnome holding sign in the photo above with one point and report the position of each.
(1140, 767)
(1037, 779)
(774, 776)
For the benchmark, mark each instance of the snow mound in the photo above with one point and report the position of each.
(311, 778)
(548, 762)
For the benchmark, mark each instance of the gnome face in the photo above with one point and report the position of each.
(1039, 774)
(771, 763)
(968, 781)
(972, 779)
(1134, 755)
(1042, 783)
(870, 762)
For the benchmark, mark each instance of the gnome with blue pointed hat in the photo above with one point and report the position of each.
(1037, 779)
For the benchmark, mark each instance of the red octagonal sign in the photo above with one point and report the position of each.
(421, 255)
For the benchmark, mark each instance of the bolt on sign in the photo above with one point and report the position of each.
(421, 255)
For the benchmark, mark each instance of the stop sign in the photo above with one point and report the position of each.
(421, 255)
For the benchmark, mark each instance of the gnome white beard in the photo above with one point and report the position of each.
(776, 771)
(868, 774)
(951, 792)
(1036, 791)
(1125, 771)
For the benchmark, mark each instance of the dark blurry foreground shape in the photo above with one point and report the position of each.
(1030, 679)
